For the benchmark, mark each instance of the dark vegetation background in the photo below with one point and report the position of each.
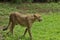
(28, 1)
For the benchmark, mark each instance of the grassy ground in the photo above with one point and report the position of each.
(48, 29)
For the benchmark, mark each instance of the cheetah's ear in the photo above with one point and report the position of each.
(35, 15)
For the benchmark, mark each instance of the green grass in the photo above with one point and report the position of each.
(47, 29)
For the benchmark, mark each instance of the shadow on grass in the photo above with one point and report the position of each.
(24, 38)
